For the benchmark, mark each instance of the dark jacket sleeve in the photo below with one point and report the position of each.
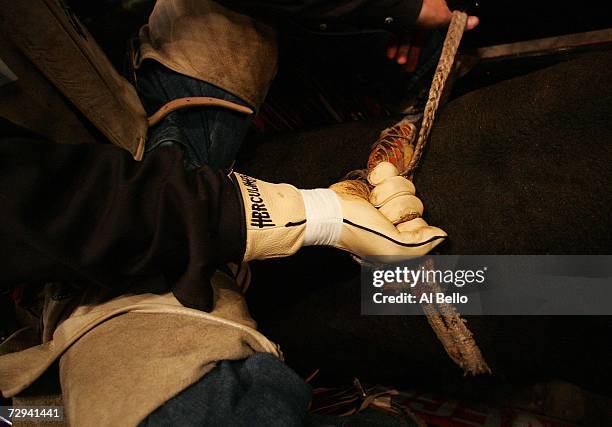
(393, 15)
(90, 213)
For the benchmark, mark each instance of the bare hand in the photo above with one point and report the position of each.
(406, 49)
(436, 14)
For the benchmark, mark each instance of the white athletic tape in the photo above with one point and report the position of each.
(323, 217)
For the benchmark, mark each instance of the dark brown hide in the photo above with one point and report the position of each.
(522, 167)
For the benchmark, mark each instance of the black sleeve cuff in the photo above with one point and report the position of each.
(232, 224)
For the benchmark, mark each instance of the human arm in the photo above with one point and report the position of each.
(409, 20)
(90, 213)
(405, 48)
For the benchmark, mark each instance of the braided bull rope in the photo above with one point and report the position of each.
(445, 65)
(396, 145)
(452, 331)
(449, 327)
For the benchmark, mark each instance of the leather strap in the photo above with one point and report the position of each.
(196, 101)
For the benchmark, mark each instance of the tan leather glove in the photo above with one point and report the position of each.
(280, 219)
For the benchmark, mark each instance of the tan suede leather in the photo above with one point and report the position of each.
(122, 357)
(67, 54)
(206, 41)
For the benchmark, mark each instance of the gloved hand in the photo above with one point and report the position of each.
(280, 219)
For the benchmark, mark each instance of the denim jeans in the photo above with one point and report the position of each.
(258, 391)
(208, 135)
